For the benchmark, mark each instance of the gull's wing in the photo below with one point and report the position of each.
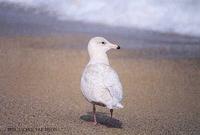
(112, 83)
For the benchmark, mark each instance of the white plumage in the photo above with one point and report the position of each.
(100, 83)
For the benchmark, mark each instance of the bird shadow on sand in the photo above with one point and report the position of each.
(103, 119)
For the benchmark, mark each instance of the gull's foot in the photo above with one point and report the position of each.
(95, 123)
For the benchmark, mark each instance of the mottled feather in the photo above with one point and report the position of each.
(101, 84)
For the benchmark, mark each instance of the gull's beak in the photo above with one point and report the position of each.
(118, 47)
(114, 46)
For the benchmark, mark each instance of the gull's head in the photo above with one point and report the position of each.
(100, 45)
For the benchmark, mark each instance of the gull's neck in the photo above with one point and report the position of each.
(98, 58)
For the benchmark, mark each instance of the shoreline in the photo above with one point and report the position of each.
(79, 41)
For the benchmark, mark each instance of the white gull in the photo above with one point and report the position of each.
(100, 83)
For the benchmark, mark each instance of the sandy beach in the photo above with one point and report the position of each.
(40, 90)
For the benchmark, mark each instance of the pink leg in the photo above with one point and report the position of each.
(111, 112)
(94, 114)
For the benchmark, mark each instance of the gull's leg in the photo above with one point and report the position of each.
(111, 112)
(94, 114)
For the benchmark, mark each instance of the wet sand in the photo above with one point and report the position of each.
(40, 88)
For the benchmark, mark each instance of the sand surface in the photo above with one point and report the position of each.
(40, 90)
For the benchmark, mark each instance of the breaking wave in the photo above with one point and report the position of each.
(176, 16)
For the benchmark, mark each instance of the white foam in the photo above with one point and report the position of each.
(180, 16)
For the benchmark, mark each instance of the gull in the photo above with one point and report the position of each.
(100, 84)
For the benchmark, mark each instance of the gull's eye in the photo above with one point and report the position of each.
(103, 43)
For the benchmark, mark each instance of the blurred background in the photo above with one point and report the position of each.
(172, 16)
(171, 25)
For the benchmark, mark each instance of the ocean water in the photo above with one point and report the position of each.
(16, 20)
(171, 16)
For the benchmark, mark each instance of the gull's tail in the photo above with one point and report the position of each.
(119, 105)
(116, 106)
